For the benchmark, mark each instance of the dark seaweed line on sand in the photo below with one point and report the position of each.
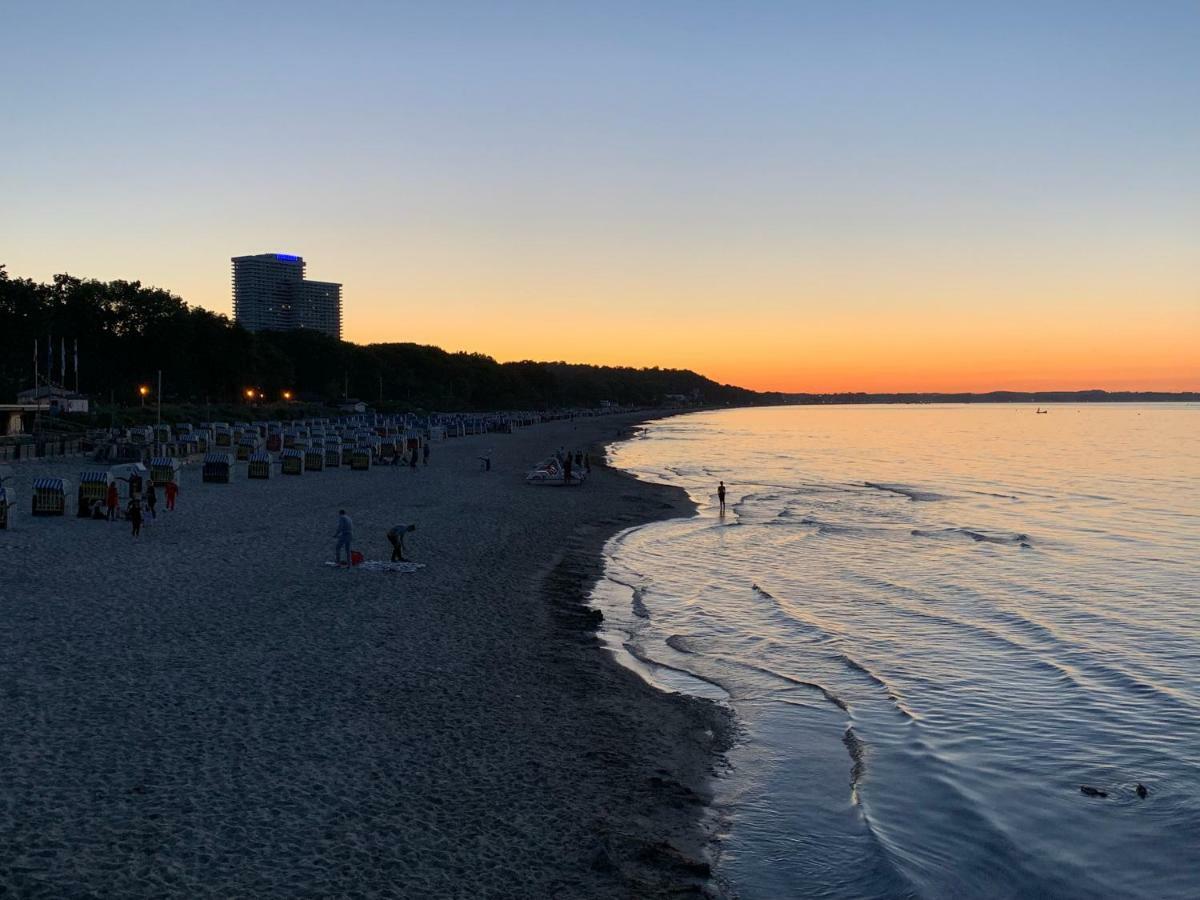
(653, 840)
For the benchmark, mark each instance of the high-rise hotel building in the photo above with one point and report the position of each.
(270, 293)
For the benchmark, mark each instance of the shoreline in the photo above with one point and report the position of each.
(207, 710)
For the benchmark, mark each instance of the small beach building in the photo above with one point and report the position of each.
(49, 496)
(218, 468)
(259, 465)
(93, 488)
(291, 461)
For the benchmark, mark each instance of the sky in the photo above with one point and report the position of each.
(796, 196)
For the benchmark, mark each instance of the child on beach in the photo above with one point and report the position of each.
(152, 501)
(134, 513)
(113, 500)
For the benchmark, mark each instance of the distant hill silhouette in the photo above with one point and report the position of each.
(126, 332)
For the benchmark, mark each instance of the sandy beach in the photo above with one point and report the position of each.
(208, 710)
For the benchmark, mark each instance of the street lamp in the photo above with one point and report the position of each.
(250, 394)
(143, 391)
(287, 395)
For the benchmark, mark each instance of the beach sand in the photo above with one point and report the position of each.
(208, 710)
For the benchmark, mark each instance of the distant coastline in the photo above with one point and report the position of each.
(1090, 396)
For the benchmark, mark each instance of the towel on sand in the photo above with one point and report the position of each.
(378, 565)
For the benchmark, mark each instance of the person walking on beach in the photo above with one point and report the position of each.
(134, 514)
(344, 534)
(721, 496)
(396, 538)
(172, 491)
(587, 463)
(152, 501)
(113, 500)
(412, 460)
(567, 469)
(425, 452)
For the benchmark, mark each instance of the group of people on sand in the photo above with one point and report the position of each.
(573, 460)
(139, 507)
(344, 535)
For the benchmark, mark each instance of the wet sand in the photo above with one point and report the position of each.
(208, 710)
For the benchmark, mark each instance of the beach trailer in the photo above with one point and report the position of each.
(314, 458)
(360, 459)
(164, 470)
(49, 497)
(291, 461)
(218, 468)
(259, 465)
(93, 488)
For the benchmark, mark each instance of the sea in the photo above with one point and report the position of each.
(957, 639)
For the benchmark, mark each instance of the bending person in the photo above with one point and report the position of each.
(396, 538)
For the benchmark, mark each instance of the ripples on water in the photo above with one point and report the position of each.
(936, 624)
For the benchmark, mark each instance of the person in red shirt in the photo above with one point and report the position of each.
(172, 489)
(111, 500)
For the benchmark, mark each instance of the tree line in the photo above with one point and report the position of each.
(126, 332)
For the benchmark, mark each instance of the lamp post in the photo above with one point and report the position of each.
(143, 391)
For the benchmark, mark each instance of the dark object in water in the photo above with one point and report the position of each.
(1141, 790)
(1091, 791)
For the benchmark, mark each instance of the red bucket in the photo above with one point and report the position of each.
(356, 558)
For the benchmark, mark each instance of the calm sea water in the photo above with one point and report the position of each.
(936, 624)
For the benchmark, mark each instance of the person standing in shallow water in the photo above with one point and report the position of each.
(721, 496)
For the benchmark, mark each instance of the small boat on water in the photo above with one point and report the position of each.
(1042, 412)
